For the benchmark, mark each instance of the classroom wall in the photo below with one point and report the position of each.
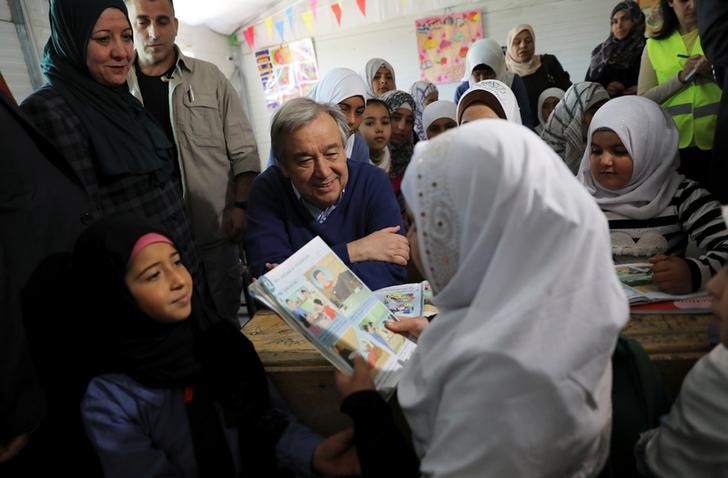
(570, 29)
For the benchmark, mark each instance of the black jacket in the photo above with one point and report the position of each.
(713, 25)
(42, 206)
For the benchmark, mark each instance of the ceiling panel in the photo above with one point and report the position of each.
(223, 16)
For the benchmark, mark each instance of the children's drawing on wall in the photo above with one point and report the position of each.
(287, 71)
(443, 42)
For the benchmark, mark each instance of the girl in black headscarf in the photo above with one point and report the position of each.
(615, 64)
(173, 390)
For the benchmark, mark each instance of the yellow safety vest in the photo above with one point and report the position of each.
(694, 108)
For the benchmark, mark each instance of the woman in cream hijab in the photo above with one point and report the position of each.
(538, 72)
(513, 377)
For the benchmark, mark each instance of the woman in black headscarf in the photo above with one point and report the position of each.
(615, 64)
(115, 147)
(172, 389)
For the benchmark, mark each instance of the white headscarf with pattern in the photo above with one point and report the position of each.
(514, 374)
(486, 92)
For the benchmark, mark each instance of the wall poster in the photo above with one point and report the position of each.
(443, 42)
(287, 71)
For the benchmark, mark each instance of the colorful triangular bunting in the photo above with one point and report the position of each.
(269, 27)
(280, 28)
(307, 18)
(289, 15)
(336, 8)
(312, 4)
(249, 34)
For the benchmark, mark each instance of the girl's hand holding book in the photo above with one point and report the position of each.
(412, 326)
(671, 274)
(358, 381)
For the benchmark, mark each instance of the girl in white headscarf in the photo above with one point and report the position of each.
(485, 61)
(344, 88)
(513, 377)
(439, 117)
(488, 99)
(547, 101)
(693, 439)
(538, 72)
(628, 167)
(424, 93)
(566, 128)
(379, 76)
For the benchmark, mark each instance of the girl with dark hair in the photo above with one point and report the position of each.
(675, 73)
(174, 390)
(615, 63)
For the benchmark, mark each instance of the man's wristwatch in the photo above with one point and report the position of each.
(241, 205)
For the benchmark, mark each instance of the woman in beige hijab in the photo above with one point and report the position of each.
(538, 72)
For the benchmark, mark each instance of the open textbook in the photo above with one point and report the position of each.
(645, 297)
(408, 300)
(324, 301)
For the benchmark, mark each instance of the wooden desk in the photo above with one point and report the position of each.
(301, 374)
(674, 342)
(306, 379)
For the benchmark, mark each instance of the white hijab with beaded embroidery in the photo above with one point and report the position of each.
(514, 374)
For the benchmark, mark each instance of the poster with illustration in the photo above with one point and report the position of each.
(287, 71)
(442, 43)
(653, 16)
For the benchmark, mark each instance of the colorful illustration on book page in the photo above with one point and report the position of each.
(346, 347)
(634, 274)
(351, 342)
(401, 303)
(443, 42)
(373, 324)
(376, 355)
(311, 308)
(332, 279)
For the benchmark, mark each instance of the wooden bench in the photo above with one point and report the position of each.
(674, 342)
(306, 379)
(299, 371)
